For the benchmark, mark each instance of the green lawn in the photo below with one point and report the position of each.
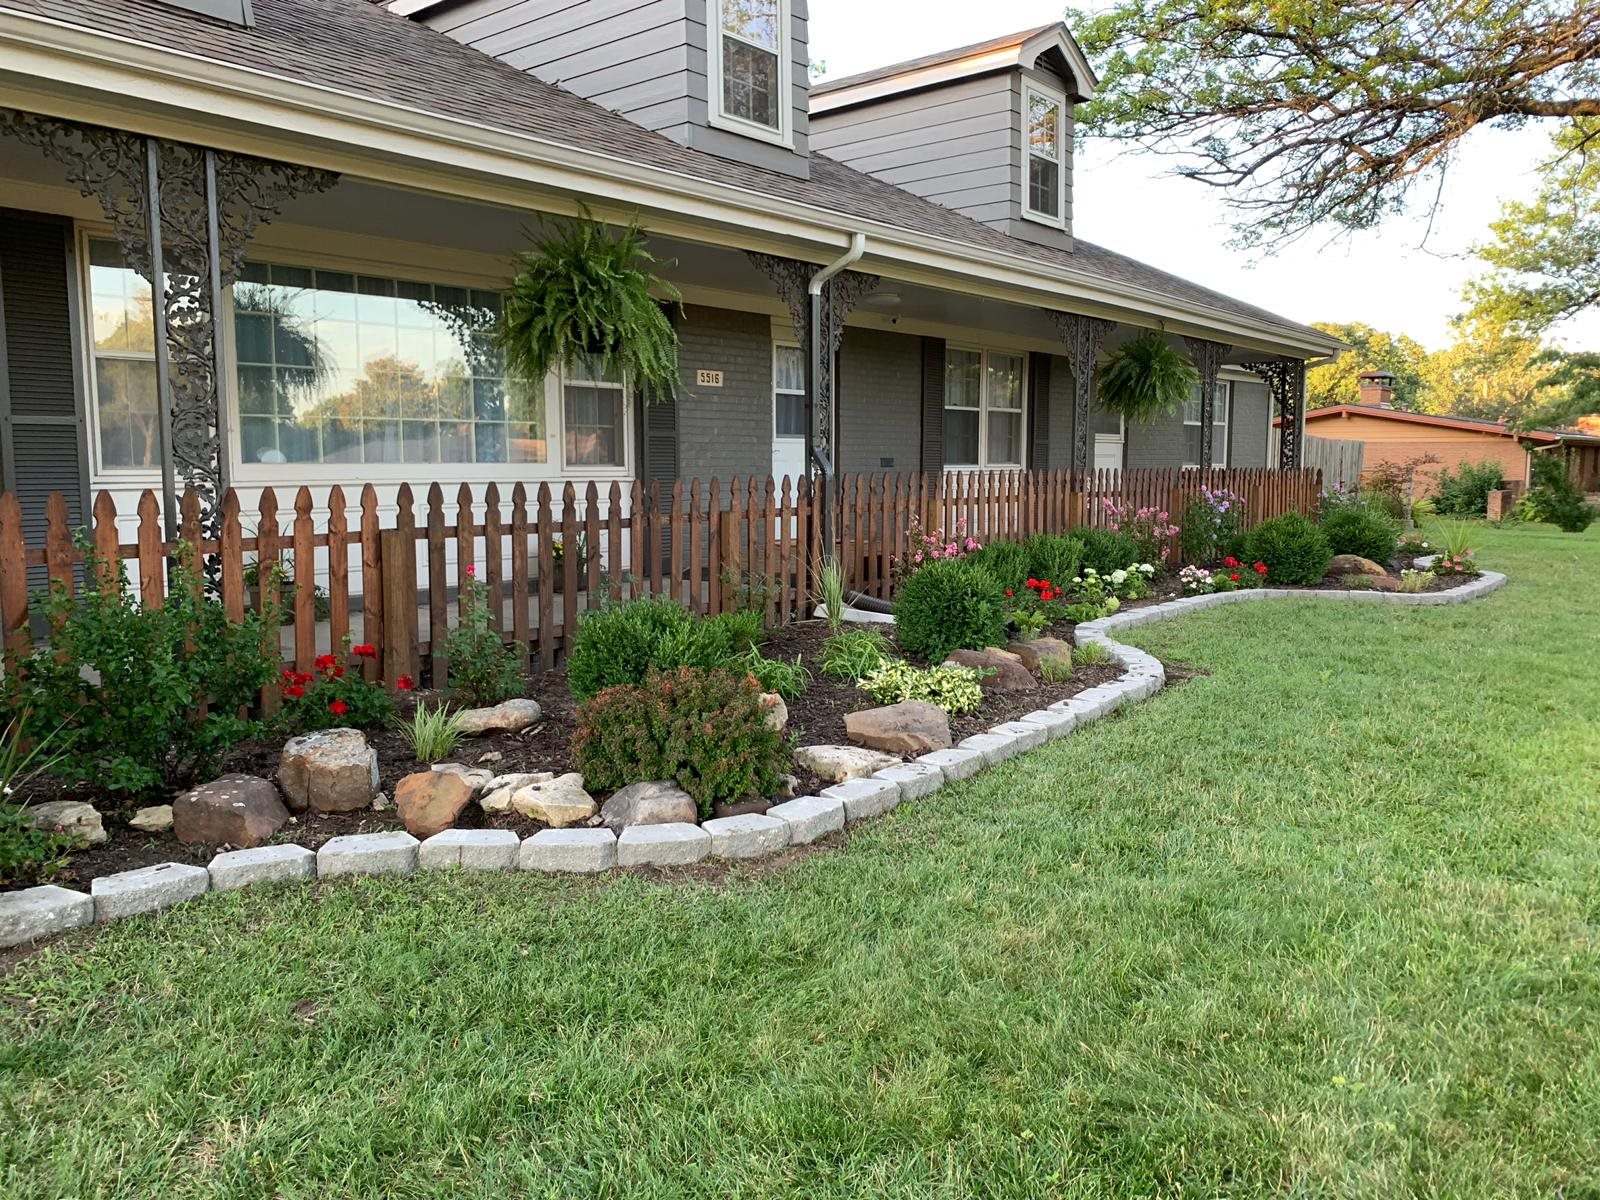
(1320, 921)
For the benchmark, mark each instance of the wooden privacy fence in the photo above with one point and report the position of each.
(388, 578)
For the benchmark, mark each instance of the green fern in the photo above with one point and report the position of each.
(583, 293)
(1146, 379)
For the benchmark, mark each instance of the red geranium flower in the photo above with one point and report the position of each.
(1261, 568)
(1009, 592)
(294, 691)
(364, 651)
(405, 683)
(1234, 577)
(338, 707)
(1033, 583)
(338, 672)
(1230, 561)
(324, 662)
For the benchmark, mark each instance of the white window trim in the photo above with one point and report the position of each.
(782, 344)
(783, 135)
(1058, 221)
(983, 409)
(252, 474)
(1217, 460)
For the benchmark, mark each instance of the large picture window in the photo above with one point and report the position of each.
(335, 367)
(751, 60)
(983, 408)
(1192, 426)
(1044, 165)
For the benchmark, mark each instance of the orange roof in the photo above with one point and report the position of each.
(1470, 424)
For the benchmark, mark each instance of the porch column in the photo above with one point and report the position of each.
(1083, 337)
(1286, 380)
(818, 327)
(183, 216)
(1207, 358)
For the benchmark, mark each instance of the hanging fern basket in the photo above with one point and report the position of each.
(1146, 379)
(585, 294)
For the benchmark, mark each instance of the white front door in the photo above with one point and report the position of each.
(788, 414)
(1108, 452)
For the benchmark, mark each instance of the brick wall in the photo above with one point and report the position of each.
(725, 431)
(880, 410)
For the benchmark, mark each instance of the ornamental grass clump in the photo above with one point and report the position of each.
(949, 605)
(707, 731)
(854, 654)
(1293, 549)
(432, 733)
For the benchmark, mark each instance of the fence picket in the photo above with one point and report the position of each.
(547, 581)
(338, 570)
(438, 591)
(494, 558)
(372, 631)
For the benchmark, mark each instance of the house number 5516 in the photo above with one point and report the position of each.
(708, 378)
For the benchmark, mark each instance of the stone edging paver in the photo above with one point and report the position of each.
(38, 912)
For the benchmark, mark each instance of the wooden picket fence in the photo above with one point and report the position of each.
(390, 579)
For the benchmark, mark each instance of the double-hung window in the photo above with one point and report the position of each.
(750, 67)
(123, 336)
(789, 392)
(983, 408)
(1044, 183)
(1193, 424)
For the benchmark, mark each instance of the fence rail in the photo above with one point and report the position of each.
(546, 555)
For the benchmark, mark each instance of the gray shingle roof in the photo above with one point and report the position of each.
(362, 48)
(1007, 42)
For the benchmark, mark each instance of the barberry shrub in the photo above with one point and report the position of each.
(1294, 549)
(483, 670)
(949, 605)
(334, 694)
(707, 731)
(140, 700)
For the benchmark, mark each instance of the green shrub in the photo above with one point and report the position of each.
(854, 654)
(1006, 561)
(1054, 670)
(121, 688)
(1363, 529)
(1053, 556)
(788, 679)
(619, 643)
(432, 733)
(949, 605)
(1294, 549)
(1555, 498)
(704, 730)
(953, 688)
(334, 694)
(1466, 492)
(482, 668)
(1415, 581)
(1107, 551)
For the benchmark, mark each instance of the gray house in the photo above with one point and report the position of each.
(879, 274)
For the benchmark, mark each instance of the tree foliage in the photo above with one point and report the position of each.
(1371, 349)
(1330, 111)
(1489, 370)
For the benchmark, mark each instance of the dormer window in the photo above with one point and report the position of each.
(750, 68)
(1044, 179)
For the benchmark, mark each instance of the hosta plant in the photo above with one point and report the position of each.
(953, 688)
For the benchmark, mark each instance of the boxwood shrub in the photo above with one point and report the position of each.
(1107, 551)
(1054, 556)
(1363, 529)
(951, 604)
(1006, 561)
(1294, 549)
(620, 643)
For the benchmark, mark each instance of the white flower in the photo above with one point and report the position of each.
(1147, 568)
(1119, 576)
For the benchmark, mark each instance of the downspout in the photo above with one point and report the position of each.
(814, 453)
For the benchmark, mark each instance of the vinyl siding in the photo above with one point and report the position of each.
(880, 409)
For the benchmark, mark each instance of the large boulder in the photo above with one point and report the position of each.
(430, 801)
(910, 727)
(1000, 670)
(1354, 564)
(236, 810)
(557, 802)
(498, 791)
(1036, 653)
(74, 820)
(329, 771)
(659, 802)
(840, 764)
(509, 716)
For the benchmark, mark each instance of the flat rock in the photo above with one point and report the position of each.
(470, 849)
(910, 727)
(675, 845)
(391, 853)
(1354, 564)
(38, 912)
(955, 763)
(658, 802)
(509, 716)
(863, 798)
(329, 771)
(430, 801)
(477, 778)
(557, 802)
(1000, 671)
(569, 851)
(1035, 652)
(837, 764)
(914, 779)
(749, 836)
(74, 820)
(235, 869)
(498, 791)
(777, 711)
(147, 889)
(157, 818)
(995, 747)
(235, 810)
(810, 817)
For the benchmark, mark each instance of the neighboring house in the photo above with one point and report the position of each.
(356, 177)
(1393, 436)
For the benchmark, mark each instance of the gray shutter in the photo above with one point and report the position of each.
(1038, 411)
(658, 422)
(42, 444)
(932, 404)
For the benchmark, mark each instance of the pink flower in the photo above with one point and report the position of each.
(472, 570)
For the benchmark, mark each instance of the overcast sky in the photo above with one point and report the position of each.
(1402, 277)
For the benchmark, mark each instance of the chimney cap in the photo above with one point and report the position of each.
(1376, 377)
